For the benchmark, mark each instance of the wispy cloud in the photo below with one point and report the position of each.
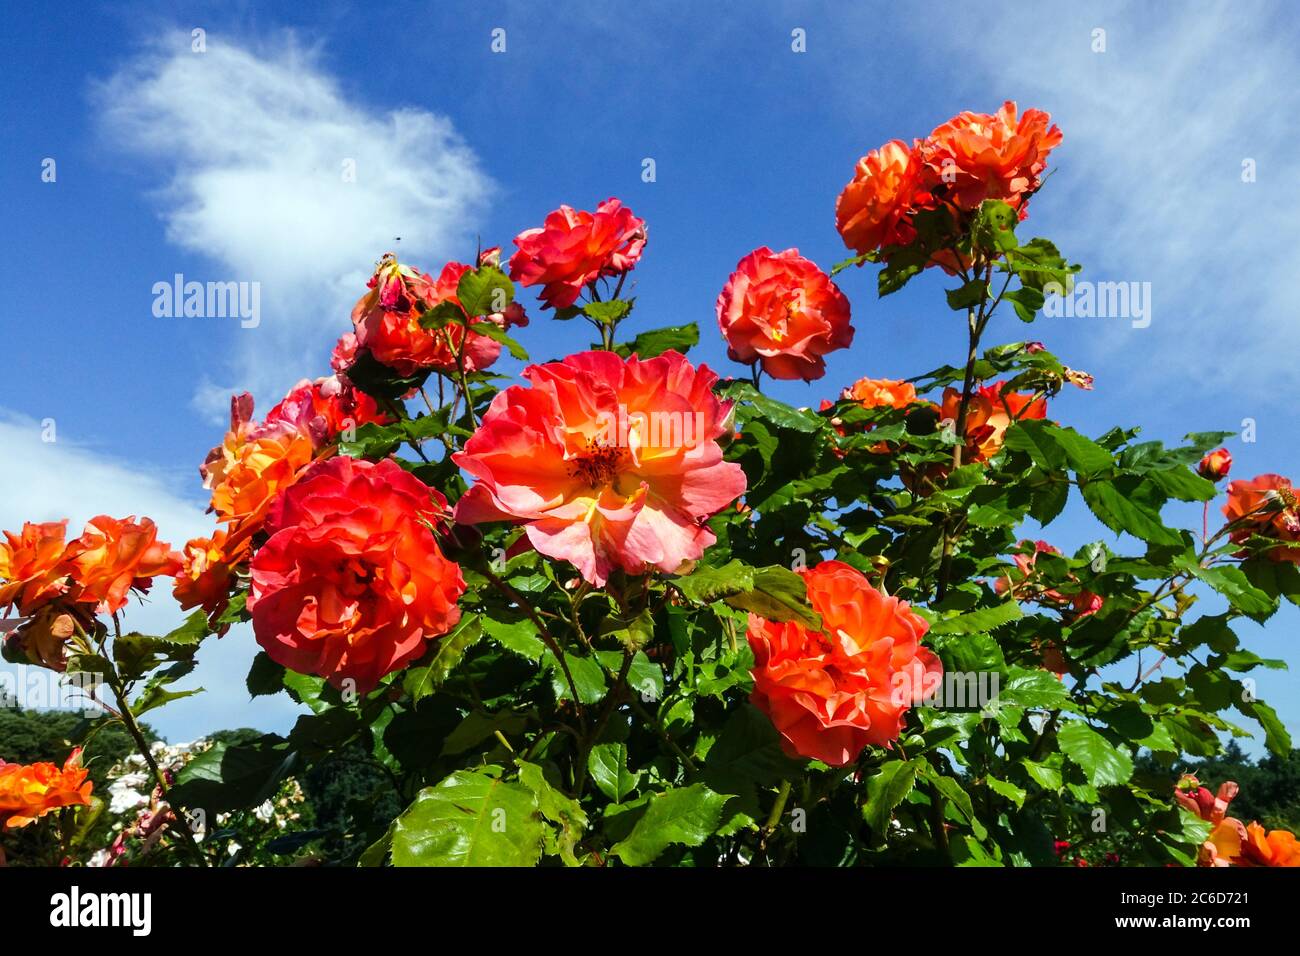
(277, 176)
(46, 481)
(1150, 185)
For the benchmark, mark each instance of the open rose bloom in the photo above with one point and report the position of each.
(970, 158)
(32, 570)
(1265, 505)
(875, 209)
(834, 692)
(30, 791)
(607, 462)
(351, 584)
(782, 311)
(574, 248)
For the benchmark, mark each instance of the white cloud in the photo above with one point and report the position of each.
(253, 145)
(1149, 179)
(46, 481)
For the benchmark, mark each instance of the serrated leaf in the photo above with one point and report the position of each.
(685, 815)
(1104, 764)
(885, 791)
(426, 677)
(471, 818)
(607, 766)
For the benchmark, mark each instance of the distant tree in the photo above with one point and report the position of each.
(28, 736)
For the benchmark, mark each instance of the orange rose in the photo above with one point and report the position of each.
(1215, 465)
(881, 393)
(32, 570)
(1265, 505)
(116, 555)
(325, 408)
(779, 309)
(29, 792)
(1231, 844)
(977, 156)
(253, 463)
(832, 693)
(1274, 848)
(875, 209)
(352, 584)
(988, 415)
(208, 573)
(573, 248)
(608, 462)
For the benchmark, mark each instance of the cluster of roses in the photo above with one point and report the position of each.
(782, 313)
(343, 558)
(57, 587)
(1231, 843)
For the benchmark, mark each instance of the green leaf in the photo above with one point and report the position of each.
(1033, 688)
(588, 678)
(954, 791)
(778, 594)
(1123, 514)
(191, 633)
(1051, 446)
(678, 338)
(979, 621)
(1104, 764)
(443, 314)
(265, 676)
(471, 818)
(433, 670)
(886, 790)
(518, 636)
(607, 765)
(1232, 583)
(484, 291)
(611, 312)
(1276, 737)
(994, 227)
(748, 752)
(233, 777)
(1183, 483)
(566, 814)
(705, 585)
(967, 296)
(1004, 788)
(778, 413)
(685, 815)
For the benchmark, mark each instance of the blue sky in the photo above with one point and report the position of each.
(224, 165)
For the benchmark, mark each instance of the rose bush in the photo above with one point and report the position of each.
(628, 613)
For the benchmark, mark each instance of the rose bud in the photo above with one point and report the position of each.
(1215, 465)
